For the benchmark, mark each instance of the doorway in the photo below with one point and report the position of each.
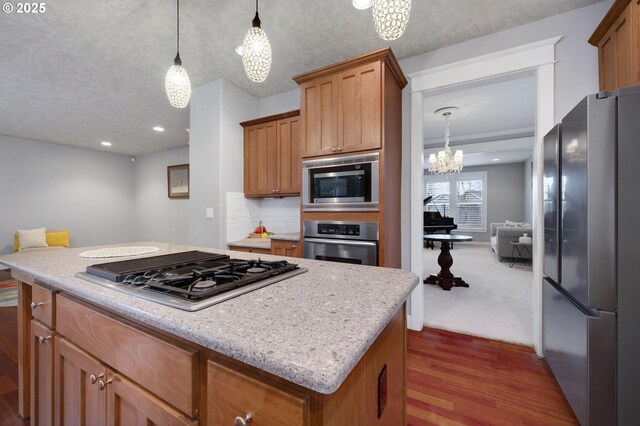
(537, 58)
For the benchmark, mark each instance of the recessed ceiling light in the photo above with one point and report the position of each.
(496, 159)
(105, 143)
(362, 4)
(158, 128)
(239, 50)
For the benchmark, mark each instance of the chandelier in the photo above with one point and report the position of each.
(390, 17)
(177, 83)
(445, 163)
(256, 52)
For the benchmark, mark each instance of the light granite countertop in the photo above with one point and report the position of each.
(256, 243)
(289, 236)
(311, 329)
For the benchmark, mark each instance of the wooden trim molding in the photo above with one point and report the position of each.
(273, 117)
(385, 54)
(614, 12)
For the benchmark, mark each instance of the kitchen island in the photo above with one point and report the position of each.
(324, 347)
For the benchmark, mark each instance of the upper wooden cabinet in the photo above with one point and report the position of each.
(618, 41)
(272, 165)
(343, 106)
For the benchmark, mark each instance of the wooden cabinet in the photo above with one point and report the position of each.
(618, 41)
(355, 106)
(286, 248)
(272, 165)
(42, 355)
(359, 108)
(342, 106)
(319, 100)
(342, 112)
(129, 404)
(78, 400)
(231, 394)
(88, 393)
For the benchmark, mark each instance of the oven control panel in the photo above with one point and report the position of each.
(338, 229)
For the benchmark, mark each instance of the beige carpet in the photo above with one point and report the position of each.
(497, 305)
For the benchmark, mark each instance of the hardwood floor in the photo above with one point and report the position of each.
(453, 379)
(9, 368)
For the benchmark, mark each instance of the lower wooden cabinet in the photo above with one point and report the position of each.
(129, 404)
(286, 248)
(232, 394)
(88, 393)
(250, 250)
(78, 400)
(42, 355)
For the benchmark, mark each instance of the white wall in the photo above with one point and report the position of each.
(204, 164)
(157, 217)
(282, 102)
(576, 74)
(216, 157)
(237, 106)
(57, 186)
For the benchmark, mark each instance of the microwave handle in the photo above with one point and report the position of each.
(340, 242)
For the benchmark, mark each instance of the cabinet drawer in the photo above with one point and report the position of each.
(285, 248)
(165, 369)
(231, 393)
(43, 305)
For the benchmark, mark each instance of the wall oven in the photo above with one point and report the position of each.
(350, 183)
(339, 241)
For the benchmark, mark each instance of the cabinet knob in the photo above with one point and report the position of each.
(339, 149)
(293, 247)
(333, 150)
(93, 378)
(273, 190)
(102, 384)
(277, 190)
(35, 305)
(243, 421)
(42, 339)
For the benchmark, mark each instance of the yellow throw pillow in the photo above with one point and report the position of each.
(58, 238)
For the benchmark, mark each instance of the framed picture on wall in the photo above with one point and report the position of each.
(178, 181)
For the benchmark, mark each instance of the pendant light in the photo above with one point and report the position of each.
(177, 83)
(256, 52)
(390, 17)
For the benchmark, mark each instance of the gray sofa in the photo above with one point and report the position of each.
(503, 233)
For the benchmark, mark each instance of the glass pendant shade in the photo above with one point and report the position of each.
(177, 83)
(256, 54)
(390, 17)
(178, 86)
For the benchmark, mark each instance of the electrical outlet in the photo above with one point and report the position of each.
(209, 213)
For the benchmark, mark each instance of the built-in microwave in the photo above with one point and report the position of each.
(349, 183)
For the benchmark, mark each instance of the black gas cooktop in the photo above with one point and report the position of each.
(189, 280)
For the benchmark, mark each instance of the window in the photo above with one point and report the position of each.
(467, 205)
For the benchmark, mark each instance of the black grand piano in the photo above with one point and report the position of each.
(435, 222)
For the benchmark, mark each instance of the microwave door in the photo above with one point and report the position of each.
(336, 187)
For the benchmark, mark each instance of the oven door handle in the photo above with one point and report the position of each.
(341, 242)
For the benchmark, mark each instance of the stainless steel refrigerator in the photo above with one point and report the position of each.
(591, 305)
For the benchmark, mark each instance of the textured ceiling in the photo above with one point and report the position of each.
(89, 70)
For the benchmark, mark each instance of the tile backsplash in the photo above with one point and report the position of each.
(278, 215)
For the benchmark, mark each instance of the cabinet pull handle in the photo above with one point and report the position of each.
(93, 378)
(240, 421)
(34, 305)
(102, 384)
(42, 339)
